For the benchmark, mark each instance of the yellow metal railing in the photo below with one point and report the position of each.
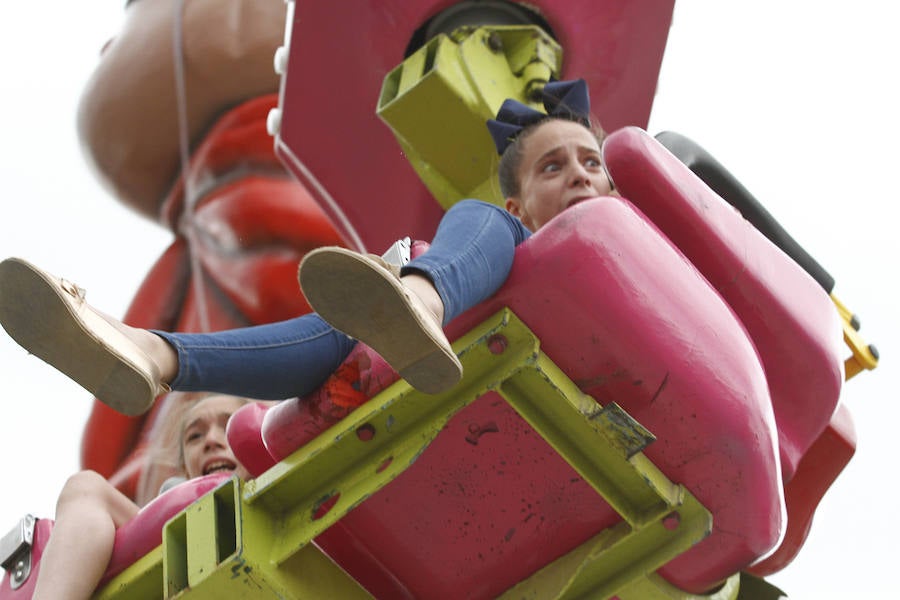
(252, 539)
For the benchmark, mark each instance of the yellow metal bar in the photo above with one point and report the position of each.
(343, 467)
(143, 579)
(618, 558)
(864, 356)
(201, 539)
(574, 424)
(175, 562)
(437, 100)
(658, 588)
(251, 540)
(661, 519)
(206, 544)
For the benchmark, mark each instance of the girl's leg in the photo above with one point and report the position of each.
(50, 318)
(469, 258)
(88, 512)
(127, 367)
(266, 362)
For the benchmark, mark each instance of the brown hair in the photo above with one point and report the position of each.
(511, 160)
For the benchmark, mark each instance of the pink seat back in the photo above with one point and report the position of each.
(791, 320)
(631, 321)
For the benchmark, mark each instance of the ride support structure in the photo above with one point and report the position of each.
(647, 423)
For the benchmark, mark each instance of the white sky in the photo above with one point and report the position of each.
(795, 98)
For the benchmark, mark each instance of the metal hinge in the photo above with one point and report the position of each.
(399, 252)
(15, 551)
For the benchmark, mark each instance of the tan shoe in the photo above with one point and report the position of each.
(49, 317)
(360, 296)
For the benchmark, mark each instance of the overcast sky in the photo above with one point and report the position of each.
(797, 99)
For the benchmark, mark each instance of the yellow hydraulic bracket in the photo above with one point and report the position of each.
(252, 539)
(864, 356)
(437, 101)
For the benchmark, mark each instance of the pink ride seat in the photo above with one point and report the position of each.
(793, 329)
(628, 319)
(790, 319)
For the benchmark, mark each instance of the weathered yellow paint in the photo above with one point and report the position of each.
(437, 101)
(251, 540)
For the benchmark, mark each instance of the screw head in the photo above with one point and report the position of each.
(495, 42)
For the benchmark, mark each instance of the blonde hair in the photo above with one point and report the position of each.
(164, 453)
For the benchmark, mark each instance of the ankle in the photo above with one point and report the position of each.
(163, 354)
(422, 287)
(158, 349)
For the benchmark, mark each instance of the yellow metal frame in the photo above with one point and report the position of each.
(437, 101)
(252, 539)
(863, 356)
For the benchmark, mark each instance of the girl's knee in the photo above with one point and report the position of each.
(84, 484)
(88, 495)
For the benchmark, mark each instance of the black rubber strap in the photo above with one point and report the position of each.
(707, 168)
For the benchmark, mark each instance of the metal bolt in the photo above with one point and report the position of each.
(495, 42)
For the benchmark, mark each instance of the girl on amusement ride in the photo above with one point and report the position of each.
(89, 509)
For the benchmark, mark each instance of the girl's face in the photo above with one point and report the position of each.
(560, 167)
(203, 442)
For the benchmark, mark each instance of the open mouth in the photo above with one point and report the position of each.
(578, 201)
(219, 466)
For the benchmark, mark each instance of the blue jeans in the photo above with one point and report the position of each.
(469, 259)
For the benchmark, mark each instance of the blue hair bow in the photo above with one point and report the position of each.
(562, 99)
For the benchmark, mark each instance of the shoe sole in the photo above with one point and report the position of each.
(365, 301)
(38, 318)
